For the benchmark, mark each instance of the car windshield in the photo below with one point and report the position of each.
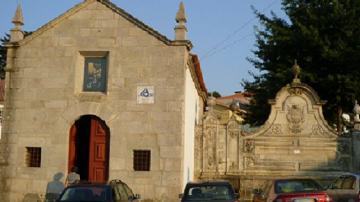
(86, 193)
(209, 192)
(291, 186)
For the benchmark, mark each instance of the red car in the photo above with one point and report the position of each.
(292, 190)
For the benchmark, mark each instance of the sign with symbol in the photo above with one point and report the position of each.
(145, 94)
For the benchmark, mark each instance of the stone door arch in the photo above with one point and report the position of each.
(89, 145)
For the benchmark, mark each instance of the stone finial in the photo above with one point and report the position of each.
(180, 28)
(356, 111)
(296, 71)
(18, 20)
(18, 17)
(180, 15)
(235, 105)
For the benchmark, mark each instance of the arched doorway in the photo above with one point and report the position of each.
(89, 148)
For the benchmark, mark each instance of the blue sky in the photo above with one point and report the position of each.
(222, 32)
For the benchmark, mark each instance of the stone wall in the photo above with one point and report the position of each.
(43, 101)
(295, 141)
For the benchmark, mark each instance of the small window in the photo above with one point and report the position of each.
(142, 160)
(95, 74)
(33, 156)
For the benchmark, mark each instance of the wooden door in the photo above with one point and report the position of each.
(98, 152)
(72, 148)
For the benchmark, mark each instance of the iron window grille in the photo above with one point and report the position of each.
(142, 160)
(33, 156)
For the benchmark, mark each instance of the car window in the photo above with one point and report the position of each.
(122, 192)
(289, 186)
(85, 193)
(209, 192)
(128, 190)
(348, 182)
(116, 193)
(338, 182)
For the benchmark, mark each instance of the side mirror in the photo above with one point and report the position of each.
(181, 195)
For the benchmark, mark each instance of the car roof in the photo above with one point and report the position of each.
(209, 182)
(294, 179)
(88, 184)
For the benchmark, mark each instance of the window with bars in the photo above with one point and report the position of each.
(33, 156)
(142, 160)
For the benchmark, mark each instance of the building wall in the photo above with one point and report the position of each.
(192, 105)
(44, 101)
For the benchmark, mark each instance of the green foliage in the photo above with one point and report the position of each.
(214, 94)
(3, 54)
(324, 37)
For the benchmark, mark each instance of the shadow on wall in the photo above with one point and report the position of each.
(32, 197)
(53, 190)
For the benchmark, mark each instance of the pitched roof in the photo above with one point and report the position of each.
(197, 73)
(115, 9)
(243, 97)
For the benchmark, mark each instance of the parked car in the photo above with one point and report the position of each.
(292, 190)
(345, 188)
(207, 191)
(114, 191)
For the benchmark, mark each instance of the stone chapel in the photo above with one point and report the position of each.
(98, 89)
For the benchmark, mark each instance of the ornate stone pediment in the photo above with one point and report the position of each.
(296, 111)
(294, 132)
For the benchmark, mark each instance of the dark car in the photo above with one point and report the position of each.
(114, 191)
(292, 190)
(207, 191)
(345, 188)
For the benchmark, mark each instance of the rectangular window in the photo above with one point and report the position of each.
(33, 156)
(95, 74)
(142, 159)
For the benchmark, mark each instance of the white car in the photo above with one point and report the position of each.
(345, 188)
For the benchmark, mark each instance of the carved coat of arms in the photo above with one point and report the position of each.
(295, 117)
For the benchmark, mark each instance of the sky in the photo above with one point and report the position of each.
(222, 31)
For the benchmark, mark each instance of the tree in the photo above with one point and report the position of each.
(215, 94)
(3, 54)
(324, 37)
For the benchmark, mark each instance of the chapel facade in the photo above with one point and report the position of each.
(98, 89)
